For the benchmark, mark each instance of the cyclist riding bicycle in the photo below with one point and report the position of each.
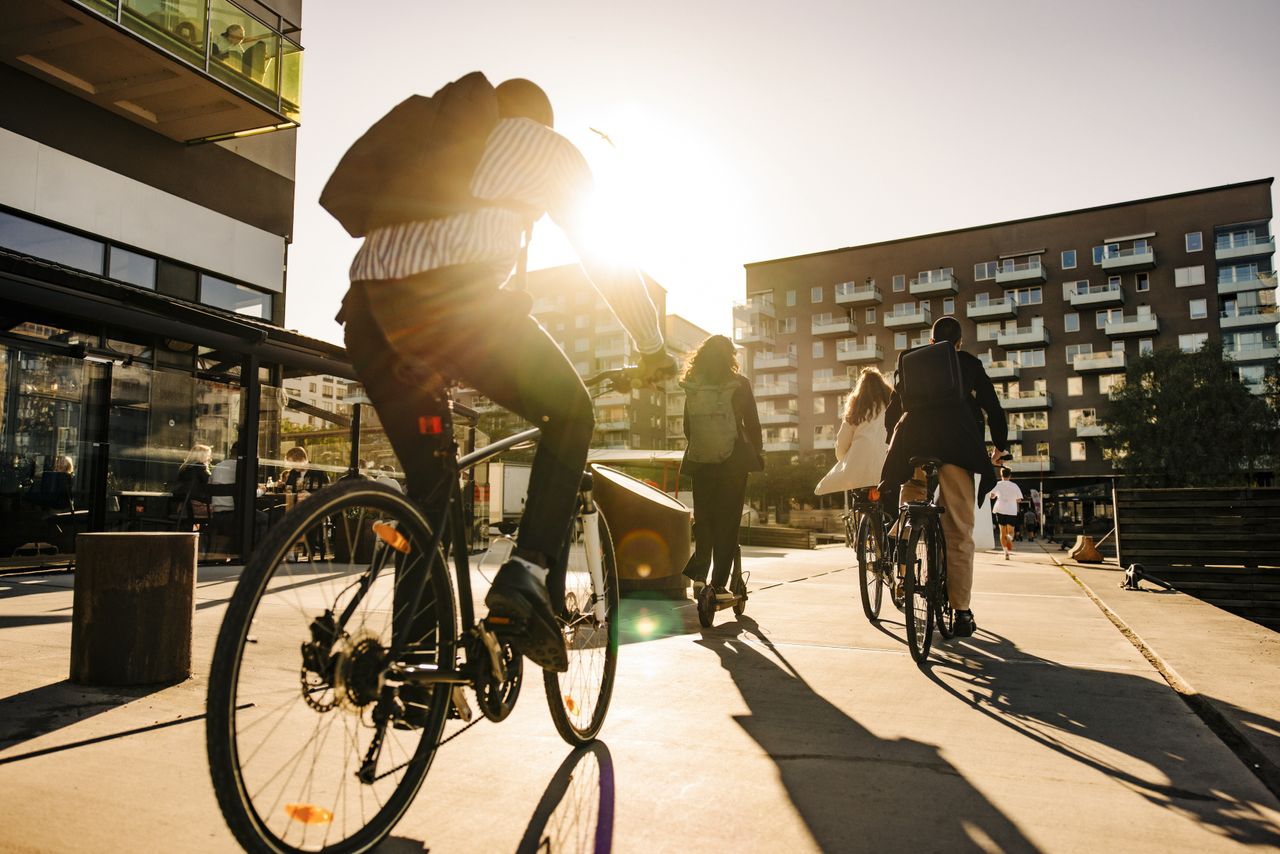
(948, 427)
(425, 301)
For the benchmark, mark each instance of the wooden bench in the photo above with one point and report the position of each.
(775, 535)
(1220, 545)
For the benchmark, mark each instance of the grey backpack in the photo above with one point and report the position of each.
(712, 423)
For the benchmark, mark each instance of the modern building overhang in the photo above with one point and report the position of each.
(32, 290)
(143, 71)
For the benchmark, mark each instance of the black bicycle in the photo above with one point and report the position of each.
(867, 533)
(923, 563)
(335, 669)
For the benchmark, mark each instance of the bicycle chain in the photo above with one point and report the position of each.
(404, 765)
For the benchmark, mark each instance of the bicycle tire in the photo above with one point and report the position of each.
(245, 686)
(869, 546)
(944, 615)
(579, 697)
(919, 606)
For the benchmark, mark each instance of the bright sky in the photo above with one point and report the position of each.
(747, 130)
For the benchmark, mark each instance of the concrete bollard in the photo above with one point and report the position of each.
(134, 607)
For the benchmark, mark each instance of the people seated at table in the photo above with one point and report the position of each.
(300, 477)
(224, 504)
(191, 487)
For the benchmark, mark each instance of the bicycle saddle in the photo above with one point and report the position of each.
(925, 462)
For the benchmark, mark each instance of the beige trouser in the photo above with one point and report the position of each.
(957, 496)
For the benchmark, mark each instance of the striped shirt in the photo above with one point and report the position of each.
(538, 170)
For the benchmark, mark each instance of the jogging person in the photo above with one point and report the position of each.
(1006, 495)
(425, 301)
(950, 430)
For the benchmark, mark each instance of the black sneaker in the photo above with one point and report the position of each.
(723, 594)
(965, 626)
(517, 594)
(694, 575)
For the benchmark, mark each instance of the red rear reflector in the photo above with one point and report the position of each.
(873, 494)
(430, 425)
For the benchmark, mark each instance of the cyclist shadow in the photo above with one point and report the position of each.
(849, 785)
(1098, 718)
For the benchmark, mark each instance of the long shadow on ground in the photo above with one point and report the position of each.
(854, 790)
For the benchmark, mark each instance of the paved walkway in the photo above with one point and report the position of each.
(800, 727)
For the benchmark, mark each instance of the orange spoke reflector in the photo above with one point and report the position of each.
(873, 493)
(389, 535)
(308, 813)
(570, 704)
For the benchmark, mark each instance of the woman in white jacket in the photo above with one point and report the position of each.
(860, 443)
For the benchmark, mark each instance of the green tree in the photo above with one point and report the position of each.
(1186, 419)
(785, 477)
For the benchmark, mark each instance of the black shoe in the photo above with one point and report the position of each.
(722, 594)
(517, 594)
(693, 575)
(965, 626)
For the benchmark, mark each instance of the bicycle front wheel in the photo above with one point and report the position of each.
(869, 548)
(920, 564)
(309, 748)
(579, 697)
(943, 613)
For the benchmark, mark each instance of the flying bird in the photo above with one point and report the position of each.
(603, 136)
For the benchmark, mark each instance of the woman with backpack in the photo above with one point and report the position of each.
(722, 427)
(860, 442)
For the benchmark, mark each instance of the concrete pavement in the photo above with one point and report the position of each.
(800, 727)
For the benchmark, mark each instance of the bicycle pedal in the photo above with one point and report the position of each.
(460, 708)
(506, 626)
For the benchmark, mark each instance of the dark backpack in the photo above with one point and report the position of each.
(416, 162)
(712, 422)
(929, 377)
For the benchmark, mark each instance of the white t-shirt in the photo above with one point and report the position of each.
(1007, 496)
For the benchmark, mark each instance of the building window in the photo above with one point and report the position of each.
(899, 283)
(132, 268)
(948, 305)
(311, 387)
(988, 331)
(1114, 282)
(1185, 277)
(241, 299)
(51, 244)
(1068, 259)
(1192, 342)
(1075, 386)
(899, 340)
(819, 406)
(581, 321)
(1071, 321)
(817, 349)
(815, 294)
(791, 298)
(1077, 452)
(1026, 296)
(582, 345)
(1144, 283)
(871, 315)
(1194, 241)
(1074, 350)
(1108, 382)
(985, 271)
(1199, 309)
(787, 325)
(1145, 346)
(1029, 358)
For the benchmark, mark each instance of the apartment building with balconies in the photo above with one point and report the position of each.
(1056, 306)
(146, 209)
(577, 317)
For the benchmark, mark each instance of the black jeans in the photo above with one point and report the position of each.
(454, 322)
(718, 491)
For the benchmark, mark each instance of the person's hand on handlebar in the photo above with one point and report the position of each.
(996, 456)
(656, 367)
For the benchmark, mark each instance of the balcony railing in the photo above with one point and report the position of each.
(934, 282)
(904, 316)
(1003, 370)
(1248, 315)
(754, 307)
(1137, 324)
(1024, 336)
(1230, 246)
(617, 398)
(779, 417)
(188, 69)
(1229, 282)
(851, 351)
(824, 443)
(1131, 258)
(773, 361)
(1256, 352)
(784, 389)
(832, 326)
(1020, 272)
(753, 335)
(1109, 360)
(855, 293)
(1012, 434)
(837, 383)
(1095, 296)
(1031, 463)
(996, 309)
(782, 444)
(613, 426)
(1029, 399)
(1088, 428)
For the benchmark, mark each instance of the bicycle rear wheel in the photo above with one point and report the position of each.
(869, 548)
(920, 566)
(297, 698)
(579, 697)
